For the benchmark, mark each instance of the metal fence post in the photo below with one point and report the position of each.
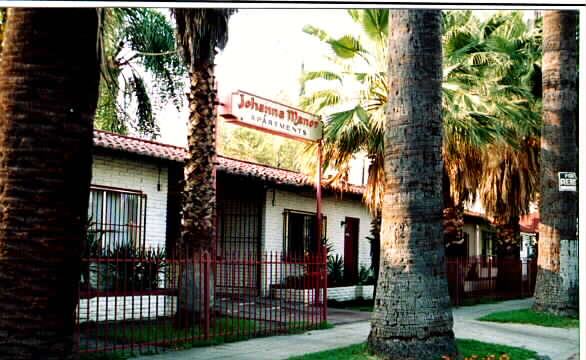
(324, 274)
(206, 293)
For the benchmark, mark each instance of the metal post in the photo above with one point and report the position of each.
(322, 248)
(318, 194)
(206, 292)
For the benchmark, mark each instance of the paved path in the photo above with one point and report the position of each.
(556, 344)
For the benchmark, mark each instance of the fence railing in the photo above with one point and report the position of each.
(147, 302)
(488, 276)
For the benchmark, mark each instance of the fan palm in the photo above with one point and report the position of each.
(484, 108)
(510, 174)
(137, 43)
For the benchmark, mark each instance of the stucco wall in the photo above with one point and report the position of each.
(139, 176)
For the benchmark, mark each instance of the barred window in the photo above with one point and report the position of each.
(488, 239)
(299, 229)
(117, 217)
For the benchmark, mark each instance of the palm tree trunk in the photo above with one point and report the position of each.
(199, 192)
(48, 93)
(199, 195)
(556, 290)
(412, 317)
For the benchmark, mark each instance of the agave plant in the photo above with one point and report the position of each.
(335, 270)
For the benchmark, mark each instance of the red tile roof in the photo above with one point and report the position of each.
(107, 140)
(490, 219)
(529, 223)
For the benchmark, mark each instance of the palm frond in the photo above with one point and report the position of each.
(200, 32)
(323, 75)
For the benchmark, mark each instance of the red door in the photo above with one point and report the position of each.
(351, 249)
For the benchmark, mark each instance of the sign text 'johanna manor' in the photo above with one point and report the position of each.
(266, 115)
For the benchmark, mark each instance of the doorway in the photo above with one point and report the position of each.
(351, 249)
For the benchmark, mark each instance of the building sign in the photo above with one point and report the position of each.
(269, 116)
(567, 181)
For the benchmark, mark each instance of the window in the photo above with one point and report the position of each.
(117, 217)
(487, 243)
(299, 232)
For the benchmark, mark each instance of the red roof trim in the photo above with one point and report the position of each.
(112, 141)
(138, 139)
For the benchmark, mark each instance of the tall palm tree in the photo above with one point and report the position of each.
(556, 290)
(48, 95)
(137, 42)
(199, 33)
(412, 318)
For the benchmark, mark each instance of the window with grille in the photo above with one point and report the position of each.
(117, 217)
(300, 230)
(488, 243)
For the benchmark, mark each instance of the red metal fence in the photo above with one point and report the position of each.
(478, 276)
(147, 302)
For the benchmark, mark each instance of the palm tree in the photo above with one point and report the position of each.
(48, 95)
(556, 290)
(412, 318)
(483, 105)
(510, 170)
(137, 42)
(199, 33)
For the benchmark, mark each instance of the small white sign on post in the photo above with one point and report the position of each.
(567, 181)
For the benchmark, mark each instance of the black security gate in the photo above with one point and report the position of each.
(239, 226)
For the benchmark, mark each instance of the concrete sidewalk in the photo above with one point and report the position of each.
(556, 344)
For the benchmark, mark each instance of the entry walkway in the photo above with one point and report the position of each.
(555, 344)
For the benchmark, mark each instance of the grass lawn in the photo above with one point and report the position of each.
(165, 331)
(528, 316)
(466, 348)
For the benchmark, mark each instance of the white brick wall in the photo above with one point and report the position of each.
(126, 307)
(335, 209)
(347, 293)
(139, 176)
